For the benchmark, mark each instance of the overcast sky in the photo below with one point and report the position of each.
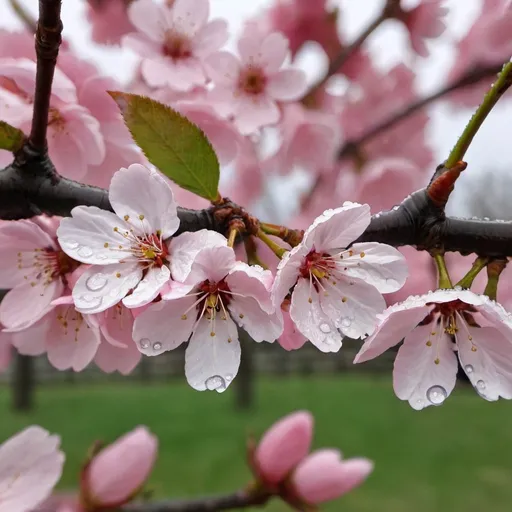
(491, 151)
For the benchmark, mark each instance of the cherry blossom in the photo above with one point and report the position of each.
(435, 326)
(128, 250)
(173, 41)
(334, 289)
(219, 295)
(247, 88)
(34, 268)
(30, 466)
(109, 20)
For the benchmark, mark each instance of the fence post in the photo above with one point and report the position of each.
(244, 382)
(23, 383)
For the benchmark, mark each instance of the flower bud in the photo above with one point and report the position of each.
(115, 475)
(323, 476)
(283, 446)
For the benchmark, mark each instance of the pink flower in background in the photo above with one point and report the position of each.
(30, 466)
(109, 20)
(283, 446)
(324, 476)
(117, 472)
(127, 249)
(248, 88)
(425, 368)
(34, 268)
(174, 40)
(334, 289)
(292, 338)
(222, 293)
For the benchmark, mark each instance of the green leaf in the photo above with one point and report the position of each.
(11, 138)
(172, 143)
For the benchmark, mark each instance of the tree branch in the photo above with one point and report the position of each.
(473, 76)
(48, 40)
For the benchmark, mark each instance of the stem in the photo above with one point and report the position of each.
(232, 237)
(48, 40)
(478, 265)
(27, 20)
(275, 248)
(271, 229)
(471, 77)
(494, 270)
(290, 236)
(251, 250)
(497, 90)
(444, 278)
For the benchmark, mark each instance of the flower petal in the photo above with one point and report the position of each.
(213, 264)
(288, 271)
(165, 325)
(425, 374)
(110, 358)
(211, 362)
(287, 85)
(146, 16)
(377, 264)
(223, 68)
(147, 289)
(101, 287)
(146, 198)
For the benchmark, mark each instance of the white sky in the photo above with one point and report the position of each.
(491, 151)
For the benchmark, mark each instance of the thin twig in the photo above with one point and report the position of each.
(24, 16)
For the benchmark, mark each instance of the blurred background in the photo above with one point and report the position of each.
(454, 457)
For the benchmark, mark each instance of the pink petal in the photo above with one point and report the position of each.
(30, 466)
(288, 271)
(32, 340)
(146, 16)
(101, 287)
(292, 338)
(148, 289)
(284, 445)
(165, 325)
(287, 85)
(223, 68)
(424, 374)
(212, 360)
(252, 281)
(338, 228)
(190, 15)
(272, 52)
(211, 37)
(253, 113)
(66, 154)
(137, 192)
(110, 358)
(213, 264)
(141, 45)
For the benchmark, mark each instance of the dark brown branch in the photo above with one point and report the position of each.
(48, 40)
(473, 76)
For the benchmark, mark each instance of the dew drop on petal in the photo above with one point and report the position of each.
(70, 244)
(90, 300)
(157, 345)
(96, 282)
(144, 343)
(346, 322)
(480, 384)
(468, 368)
(216, 383)
(229, 377)
(85, 252)
(325, 328)
(436, 395)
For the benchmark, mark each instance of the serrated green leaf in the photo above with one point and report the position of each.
(172, 143)
(11, 138)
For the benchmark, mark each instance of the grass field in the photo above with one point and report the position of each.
(452, 458)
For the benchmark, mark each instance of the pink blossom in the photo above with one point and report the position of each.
(128, 250)
(426, 365)
(334, 289)
(247, 88)
(424, 22)
(283, 446)
(174, 40)
(30, 466)
(292, 338)
(323, 476)
(109, 20)
(118, 471)
(219, 293)
(34, 268)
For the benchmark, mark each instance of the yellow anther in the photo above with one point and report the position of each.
(362, 254)
(344, 299)
(318, 273)
(241, 315)
(436, 361)
(183, 317)
(429, 343)
(118, 274)
(126, 217)
(105, 245)
(141, 217)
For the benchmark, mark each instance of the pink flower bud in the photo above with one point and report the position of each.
(284, 445)
(323, 476)
(121, 468)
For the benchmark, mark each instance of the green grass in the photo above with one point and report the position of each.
(450, 458)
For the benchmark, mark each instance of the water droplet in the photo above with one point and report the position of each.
(85, 252)
(96, 282)
(346, 322)
(229, 377)
(468, 368)
(458, 288)
(144, 343)
(436, 395)
(216, 383)
(70, 244)
(89, 301)
(325, 328)
(480, 384)
(157, 345)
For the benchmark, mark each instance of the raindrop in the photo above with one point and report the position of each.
(229, 377)
(325, 328)
(468, 368)
(96, 282)
(70, 244)
(216, 383)
(85, 252)
(157, 345)
(436, 395)
(458, 288)
(346, 322)
(90, 301)
(144, 343)
(480, 384)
